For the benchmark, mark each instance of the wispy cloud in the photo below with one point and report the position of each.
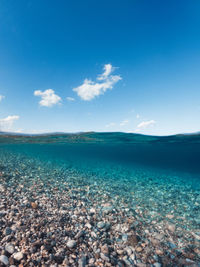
(70, 98)
(49, 98)
(124, 122)
(1, 97)
(108, 69)
(111, 124)
(145, 124)
(7, 123)
(90, 89)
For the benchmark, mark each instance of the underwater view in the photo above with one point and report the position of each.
(99, 199)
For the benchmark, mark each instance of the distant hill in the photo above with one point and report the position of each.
(96, 137)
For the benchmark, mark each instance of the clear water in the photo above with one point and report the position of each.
(155, 180)
(155, 176)
(160, 175)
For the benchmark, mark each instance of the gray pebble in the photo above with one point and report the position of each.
(104, 257)
(82, 261)
(71, 243)
(9, 248)
(8, 231)
(101, 225)
(4, 260)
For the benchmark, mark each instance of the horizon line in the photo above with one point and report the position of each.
(86, 132)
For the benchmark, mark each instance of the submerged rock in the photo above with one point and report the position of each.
(4, 260)
(9, 248)
(71, 243)
(101, 225)
(18, 256)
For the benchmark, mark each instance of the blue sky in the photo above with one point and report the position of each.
(128, 65)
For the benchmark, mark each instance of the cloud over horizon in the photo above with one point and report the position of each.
(49, 98)
(145, 124)
(90, 89)
(7, 123)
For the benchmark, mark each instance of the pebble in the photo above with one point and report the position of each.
(2, 189)
(101, 225)
(82, 261)
(107, 209)
(139, 249)
(88, 225)
(171, 227)
(104, 257)
(10, 248)
(34, 205)
(92, 211)
(128, 250)
(79, 234)
(8, 231)
(159, 252)
(18, 256)
(4, 260)
(71, 243)
(105, 249)
(91, 261)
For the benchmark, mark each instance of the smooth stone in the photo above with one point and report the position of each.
(8, 231)
(71, 243)
(82, 262)
(2, 189)
(172, 245)
(92, 211)
(157, 264)
(105, 249)
(124, 237)
(10, 248)
(132, 256)
(18, 256)
(101, 225)
(128, 262)
(91, 261)
(4, 260)
(171, 227)
(104, 257)
(159, 236)
(80, 234)
(107, 209)
(128, 250)
(88, 225)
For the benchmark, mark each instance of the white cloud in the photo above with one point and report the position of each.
(145, 124)
(124, 122)
(70, 98)
(1, 97)
(90, 89)
(7, 123)
(108, 69)
(111, 124)
(49, 98)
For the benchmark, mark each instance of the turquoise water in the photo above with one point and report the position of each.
(166, 169)
(156, 177)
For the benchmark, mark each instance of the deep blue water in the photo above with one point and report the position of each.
(179, 153)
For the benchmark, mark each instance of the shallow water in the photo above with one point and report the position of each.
(157, 177)
(165, 170)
